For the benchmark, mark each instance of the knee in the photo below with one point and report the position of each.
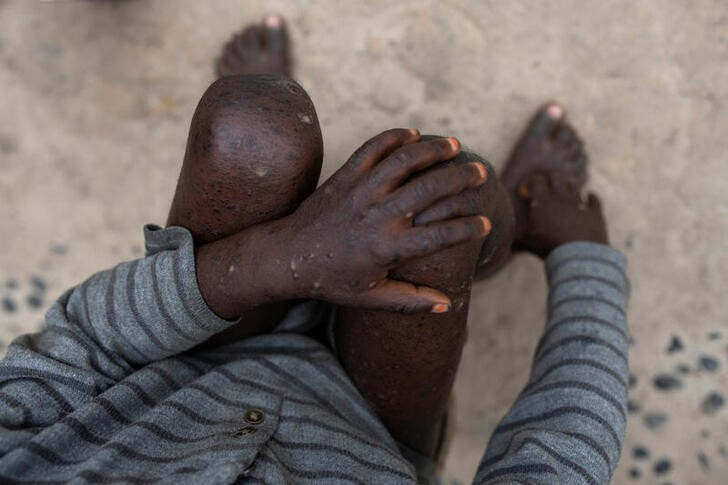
(261, 132)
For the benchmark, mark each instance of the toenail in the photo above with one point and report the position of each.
(273, 21)
(414, 131)
(454, 143)
(555, 111)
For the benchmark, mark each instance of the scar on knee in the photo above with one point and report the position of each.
(305, 118)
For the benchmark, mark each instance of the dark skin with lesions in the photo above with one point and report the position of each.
(395, 236)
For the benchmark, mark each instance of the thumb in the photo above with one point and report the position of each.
(402, 297)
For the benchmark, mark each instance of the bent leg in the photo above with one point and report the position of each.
(405, 365)
(254, 152)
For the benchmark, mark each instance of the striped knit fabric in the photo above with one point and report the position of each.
(114, 390)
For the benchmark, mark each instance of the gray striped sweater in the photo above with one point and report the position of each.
(114, 390)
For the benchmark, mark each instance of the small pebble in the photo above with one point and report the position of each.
(632, 380)
(35, 301)
(666, 382)
(633, 473)
(655, 420)
(662, 466)
(633, 407)
(713, 335)
(675, 345)
(11, 284)
(640, 452)
(704, 433)
(713, 402)
(59, 249)
(38, 283)
(722, 450)
(9, 305)
(708, 363)
(703, 460)
(682, 369)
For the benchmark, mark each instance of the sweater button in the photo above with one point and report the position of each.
(254, 416)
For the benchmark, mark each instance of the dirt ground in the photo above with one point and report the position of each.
(96, 99)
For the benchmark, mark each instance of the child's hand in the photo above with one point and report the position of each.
(557, 213)
(342, 240)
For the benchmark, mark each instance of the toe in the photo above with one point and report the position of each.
(546, 120)
(250, 39)
(567, 141)
(275, 35)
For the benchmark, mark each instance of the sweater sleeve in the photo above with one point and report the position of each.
(99, 332)
(568, 423)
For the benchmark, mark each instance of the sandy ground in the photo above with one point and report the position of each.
(97, 98)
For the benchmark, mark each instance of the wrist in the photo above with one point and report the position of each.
(243, 271)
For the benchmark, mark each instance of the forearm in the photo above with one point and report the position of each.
(102, 330)
(576, 396)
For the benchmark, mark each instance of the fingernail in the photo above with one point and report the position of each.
(414, 131)
(555, 111)
(481, 168)
(440, 308)
(487, 225)
(274, 21)
(454, 143)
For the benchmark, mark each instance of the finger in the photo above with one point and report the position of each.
(534, 186)
(402, 297)
(546, 120)
(275, 35)
(425, 240)
(381, 146)
(425, 190)
(407, 160)
(449, 208)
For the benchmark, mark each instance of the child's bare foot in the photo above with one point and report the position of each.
(549, 143)
(259, 49)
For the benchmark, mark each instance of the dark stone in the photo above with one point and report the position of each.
(703, 460)
(639, 452)
(704, 433)
(667, 382)
(633, 407)
(662, 466)
(682, 369)
(35, 301)
(38, 283)
(59, 249)
(12, 284)
(9, 305)
(675, 345)
(632, 380)
(629, 241)
(655, 420)
(633, 473)
(708, 363)
(713, 335)
(713, 402)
